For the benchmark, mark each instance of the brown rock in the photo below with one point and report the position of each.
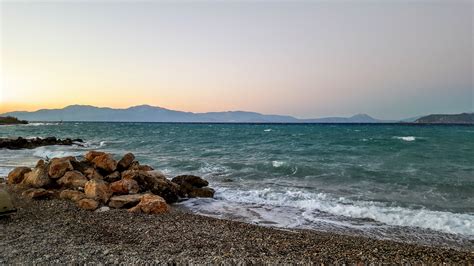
(204, 192)
(115, 176)
(194, 181)
(126, 161)
(59, 166)
(105, 162)
(92, 154)
(81, 166)
(151, 204)
(141, 167)
(97, 190)
(155, 182)
(37, 193)
(38, 177)
(17, 175)
(73, 195)
(125, 201)
(91, 173)
(73, 179)
(125, 186)
(88, 204)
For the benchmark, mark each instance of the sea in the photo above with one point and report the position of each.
(408, 183)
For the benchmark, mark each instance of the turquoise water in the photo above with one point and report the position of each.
(363, 177)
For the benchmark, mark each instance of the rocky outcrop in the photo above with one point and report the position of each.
(22, 143)
(59, 166)
(151, 204)
(126, 161)
(17, 175)
(73, 179)
(193, 186)
(105, 162)
(37, 193)
(99, 180)
(38, 177)
(125, 186)
(97, 190)
(125, 201)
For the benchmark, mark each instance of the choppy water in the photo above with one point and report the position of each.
(402, 182)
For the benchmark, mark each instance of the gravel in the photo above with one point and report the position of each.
(55, 231)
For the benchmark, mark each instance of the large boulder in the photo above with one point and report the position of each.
(155, 182)
(125, 201)
(126, 161)
(92, 154)
(151, 204)
(59, 166)
(37, 193)
(115, 176)
(105, 162)
(97, 190)
(204, 192)
(73, 195)
(17, 175)
(73, 179)
(91, 173)
(38, 177)
(192, 180)
(141, 167)
(81, 166)
(125, 186)
(88, 204)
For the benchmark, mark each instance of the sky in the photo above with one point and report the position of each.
(390, 59)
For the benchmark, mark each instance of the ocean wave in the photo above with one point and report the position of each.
(278, 164)
(311, 204)
(407, 138)
(51, 152)
(268, 130)
(35, 124)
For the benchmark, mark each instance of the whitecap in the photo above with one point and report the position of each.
(277, 164)
(268, 130)
(407, 138)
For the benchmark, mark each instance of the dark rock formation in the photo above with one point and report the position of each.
(22, 143)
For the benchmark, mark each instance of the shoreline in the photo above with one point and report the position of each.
(55, 231)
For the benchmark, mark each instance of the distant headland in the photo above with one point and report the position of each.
(10, 120)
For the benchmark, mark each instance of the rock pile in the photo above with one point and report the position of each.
(22, 143)
(99, 180)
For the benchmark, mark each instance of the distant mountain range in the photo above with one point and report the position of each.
(147, 113)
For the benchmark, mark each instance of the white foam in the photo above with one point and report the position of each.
(278, 164)
(268, 130)
(407, 138)
(53, 152)
(310, 204)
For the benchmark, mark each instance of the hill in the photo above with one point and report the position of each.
(464, 118)
(147, 113)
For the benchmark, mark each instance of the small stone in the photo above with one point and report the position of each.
(103, 209)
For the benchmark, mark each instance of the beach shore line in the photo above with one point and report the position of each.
(55, 231)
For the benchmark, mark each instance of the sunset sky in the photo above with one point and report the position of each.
(390, 59)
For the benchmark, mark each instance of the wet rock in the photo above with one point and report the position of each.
(115, 176)
(126, 161)
(73, 179)
(155, 182)
(88, 204)
(72, 195)
(59, 166)
(38, 177)
(125, 186)
(37, 193)
(142, 168)
(125, 201)
(91, 173)
(22, 143)
(92, 154)
(151, 204)
(105, 162)
(97, 190)
(205, 192)
(17, 175)
(194, 181)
